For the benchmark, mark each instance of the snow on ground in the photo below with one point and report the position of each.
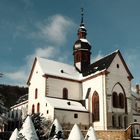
(75, 133)
(28, 130)
(14, 135)
(91, 135)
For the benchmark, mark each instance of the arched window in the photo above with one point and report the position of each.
(115, 99)
(121, 100)
(38, 107)
(95, 106)
(65, 93)
(33, 109)
(36, 93)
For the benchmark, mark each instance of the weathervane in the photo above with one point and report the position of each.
(82, 15)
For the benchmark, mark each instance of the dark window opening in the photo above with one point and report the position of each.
(38, 107)
(36, 93)
(115, 99)
(33, 109)
(75, 115)
(95, 106)
(121, 100)
(65, 93)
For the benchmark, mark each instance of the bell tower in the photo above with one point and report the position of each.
(81, 48)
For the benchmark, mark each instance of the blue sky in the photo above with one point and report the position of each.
(48, 28)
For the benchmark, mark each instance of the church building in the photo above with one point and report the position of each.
(85, 93)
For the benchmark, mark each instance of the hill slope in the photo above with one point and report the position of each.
(11, 94)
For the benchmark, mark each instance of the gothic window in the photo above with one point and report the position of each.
(33, 109)
(115, 99)
(38, 107)
(36, 93)
(121, 100)
(65, 93)
(95, 106)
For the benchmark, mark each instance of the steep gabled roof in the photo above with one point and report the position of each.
(51, 67)
(100, 64)
(104, 63)
(59, 69)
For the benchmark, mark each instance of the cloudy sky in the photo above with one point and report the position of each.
(48, 28)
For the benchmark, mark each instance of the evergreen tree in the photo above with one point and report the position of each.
(56, 132)
(42, 126)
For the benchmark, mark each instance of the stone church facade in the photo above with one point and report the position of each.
(85, 93)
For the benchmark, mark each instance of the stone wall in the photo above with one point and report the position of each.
(114, 134)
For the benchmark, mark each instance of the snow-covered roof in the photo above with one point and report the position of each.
(14, 135)
(75, 133)
(84, 40)
(65, 104)
(28, 130)
(58, 69)
(54, 68)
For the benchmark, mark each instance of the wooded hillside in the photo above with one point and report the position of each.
(11, 94)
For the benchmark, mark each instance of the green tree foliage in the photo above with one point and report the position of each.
(42, 126)
(11, 94)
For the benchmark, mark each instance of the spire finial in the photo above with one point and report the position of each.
(82, 15)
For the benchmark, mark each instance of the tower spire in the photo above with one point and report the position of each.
(81, 48)
(82, 32)
(82, 16)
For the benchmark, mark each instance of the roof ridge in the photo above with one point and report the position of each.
(116, 51)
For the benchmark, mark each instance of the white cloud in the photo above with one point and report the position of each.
(54, 32)
(97, 57)
(17, 77)
(55, 29)
(46, 52)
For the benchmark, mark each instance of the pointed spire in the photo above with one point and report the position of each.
(82, 32)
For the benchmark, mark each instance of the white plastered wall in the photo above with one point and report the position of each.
(37, 81)
(97, 84)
